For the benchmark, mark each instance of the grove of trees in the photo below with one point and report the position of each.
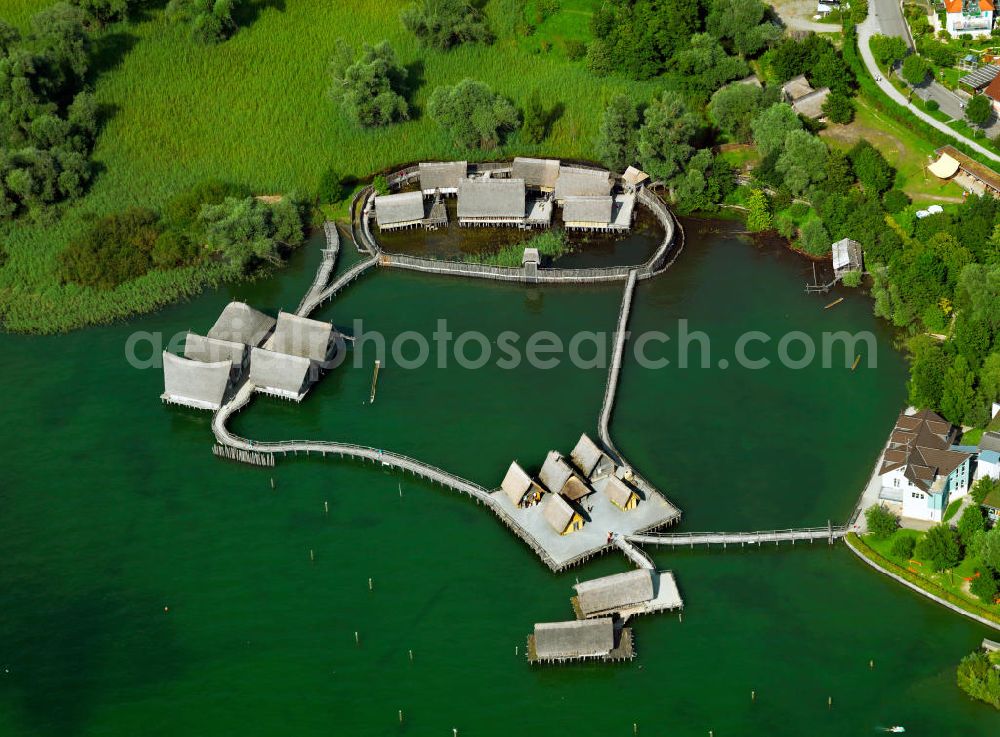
(473, 115)
(369, 87)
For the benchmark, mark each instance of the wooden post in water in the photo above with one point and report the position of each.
(272, 482)
(400, 716)
(378, 364)
(370, 587)
(357, 640)
(326, 507)
(312, 555)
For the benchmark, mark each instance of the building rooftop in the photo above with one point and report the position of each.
(541, 173)
(587, 209)
(301, 336)
(195, 383)
(615, 592)
(393, 209)
(284, 373)
(212, 350)
(576, 181)
(590, 638)
(491, 198)
(517, 483)
(811, 105)
(558, 512)
(979, 78)
(240, 323)
(442, 174)
(921, 445)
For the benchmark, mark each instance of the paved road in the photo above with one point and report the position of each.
(885, 14)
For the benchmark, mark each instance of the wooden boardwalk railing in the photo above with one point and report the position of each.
(326, 266)
(830, 533)
(611, 387)
(633, 553)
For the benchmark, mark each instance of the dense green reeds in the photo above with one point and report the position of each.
(254, 111)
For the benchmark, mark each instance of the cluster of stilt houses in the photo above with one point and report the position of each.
(563, 486)
(603, 606)
(523, 194)
(281, 357)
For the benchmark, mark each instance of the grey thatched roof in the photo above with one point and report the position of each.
(392, 209)
(634, 176)
(555, 471)
(575, 181)
(588, 638)
(487, 198)
(587, 209)
(811, 105)
(615, 592)
(194, 382)
(618, 491)
(517, 483)
(442, 174)
(561, 478)
(279, 371)
(531, 256)
(846, 254)
(557, 512)
(300, 336)
(796, 87)
(212, 350)
(586, 455)
(541, 173)
(240, 323)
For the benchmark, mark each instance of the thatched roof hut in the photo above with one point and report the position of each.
(442, 175)
(590, 459)
(195, 383)
(634, 177)
(592, 638)
(589, 211)
(399, 210)
(541, 173)
(561, 478)
(211, 350)
(520, 488)
(620, 493)
(280, 374)
(612, 593)
(240, 323)
(576, 181)
(491, 200)
(559, 514)
(301, 336)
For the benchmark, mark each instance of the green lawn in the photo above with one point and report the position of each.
(904, 149)
(920, 572)
(254, 110)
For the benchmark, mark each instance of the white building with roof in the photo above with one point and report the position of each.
(491, 202)
(396, 211)
(920, 470)
(280, 374)
(197, 384)
(240, 323)
(442, 176)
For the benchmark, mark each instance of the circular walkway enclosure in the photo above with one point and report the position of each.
(527, 195)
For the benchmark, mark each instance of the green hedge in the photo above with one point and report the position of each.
(862, 547)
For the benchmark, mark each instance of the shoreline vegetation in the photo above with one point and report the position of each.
(551, 244)
(921, 584)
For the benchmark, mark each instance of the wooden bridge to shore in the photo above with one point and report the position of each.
(830, 534)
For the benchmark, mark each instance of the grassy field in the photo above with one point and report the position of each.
(905, 150)
(254, 110)
(953, 584)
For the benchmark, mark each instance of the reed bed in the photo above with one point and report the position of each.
(254, 110)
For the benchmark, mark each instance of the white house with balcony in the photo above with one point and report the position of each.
(969, 17)
(921, 470)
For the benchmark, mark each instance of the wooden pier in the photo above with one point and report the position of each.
(830, 534)
(322, 278)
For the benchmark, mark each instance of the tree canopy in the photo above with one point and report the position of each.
(369, 87)
(772, 126)
(978, 110)
(211, 21)
(446, 23)
(733, 109)
(473, 115)
(665, 136)
(617, 144)
(742, 24)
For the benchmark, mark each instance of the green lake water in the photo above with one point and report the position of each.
(112, 507)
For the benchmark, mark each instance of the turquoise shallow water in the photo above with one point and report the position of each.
(112, 507)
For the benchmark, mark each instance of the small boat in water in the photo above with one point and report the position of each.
(896, 730)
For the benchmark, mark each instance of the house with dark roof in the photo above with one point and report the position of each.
(920, 469)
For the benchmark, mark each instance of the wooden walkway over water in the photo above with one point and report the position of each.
(829, 534)
(634, 554)
(309, 299)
